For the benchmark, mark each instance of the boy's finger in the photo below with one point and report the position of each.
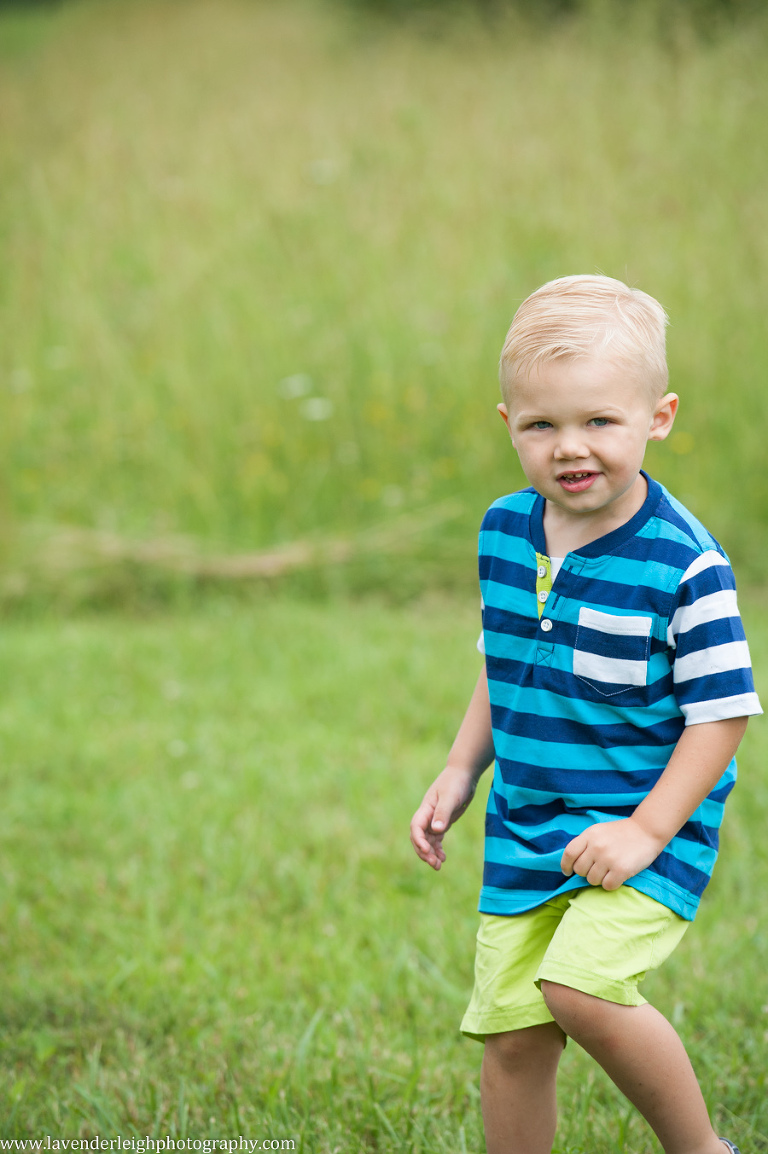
(442, 817)
(433, 855)
(419, 838)
(423, 848)
(418, 832)
(570, 853)
(423, 816)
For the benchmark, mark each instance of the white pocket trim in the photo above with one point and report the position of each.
(610, 623)
(619, 671)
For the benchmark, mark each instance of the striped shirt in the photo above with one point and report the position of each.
(592, 680)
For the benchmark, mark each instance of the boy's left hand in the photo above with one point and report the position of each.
(608, 853)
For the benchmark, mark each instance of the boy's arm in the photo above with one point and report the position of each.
(450, 793)
(608, 853)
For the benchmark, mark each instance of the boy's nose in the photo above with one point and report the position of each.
(570, 447)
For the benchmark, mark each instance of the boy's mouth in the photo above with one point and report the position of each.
(576, 482)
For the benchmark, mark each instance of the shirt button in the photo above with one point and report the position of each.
(543, 594)
(542, 570)
(546, 624)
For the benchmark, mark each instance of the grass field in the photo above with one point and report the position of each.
(258, 261)
(256, 264)
(214, 924)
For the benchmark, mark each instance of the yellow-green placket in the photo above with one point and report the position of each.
(543, 581)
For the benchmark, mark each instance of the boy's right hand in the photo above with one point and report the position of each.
(444, 803)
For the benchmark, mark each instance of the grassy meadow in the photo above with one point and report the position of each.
(258, 260)
(214, 924)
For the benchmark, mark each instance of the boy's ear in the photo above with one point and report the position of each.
(504, 413)
(663, 417)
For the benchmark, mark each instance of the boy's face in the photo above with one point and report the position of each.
(580, 427)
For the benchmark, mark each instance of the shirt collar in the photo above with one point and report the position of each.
(611, 541)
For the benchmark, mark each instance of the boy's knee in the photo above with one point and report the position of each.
(517, 1049)
(573, 1010)
(585, 1017)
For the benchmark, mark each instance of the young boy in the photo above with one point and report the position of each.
(615, 691)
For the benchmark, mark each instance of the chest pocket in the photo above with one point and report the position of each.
(611, 652)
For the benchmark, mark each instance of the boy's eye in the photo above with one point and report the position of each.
(599, 422)
(541, 425)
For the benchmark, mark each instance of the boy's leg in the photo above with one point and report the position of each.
(517, 1087)
(605, 943)
(642, 1054)
(522, 1043)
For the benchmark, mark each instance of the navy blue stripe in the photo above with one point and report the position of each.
(502, 875)
(675, 554)
(568, 731)
(710, 633)
(566, 782)
(720, 793)
(496, 827)
(622, 646)
(711, 687)
(695, 532)
(508, 521)
(681, 873)
(711, 579)
(507, 573)
(500, 619)
(509, 877)
(528, 627)
(567, 685)
(546, 842)
(611, 595)
(696, 831)
(536, 815)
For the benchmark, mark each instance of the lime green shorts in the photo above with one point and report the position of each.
(602, 942)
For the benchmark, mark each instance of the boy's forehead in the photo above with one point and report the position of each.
(571, 380)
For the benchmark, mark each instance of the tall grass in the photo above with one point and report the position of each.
(258, 261)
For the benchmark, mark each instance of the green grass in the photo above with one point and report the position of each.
(213, 922)
(258, 261)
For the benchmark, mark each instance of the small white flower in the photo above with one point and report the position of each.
(317, 409)
(21, 380)
(58, 357)
(324, 170)
(392, 496)
(296, 386)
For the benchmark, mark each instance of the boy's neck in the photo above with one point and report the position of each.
(566, 532)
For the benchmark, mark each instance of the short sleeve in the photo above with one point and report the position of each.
(711, 663)
(481, 638)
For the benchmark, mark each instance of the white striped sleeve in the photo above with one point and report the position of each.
(712, 668)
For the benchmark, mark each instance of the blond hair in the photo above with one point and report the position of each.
(587, 316)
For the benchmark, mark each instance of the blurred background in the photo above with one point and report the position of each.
(258, 261)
